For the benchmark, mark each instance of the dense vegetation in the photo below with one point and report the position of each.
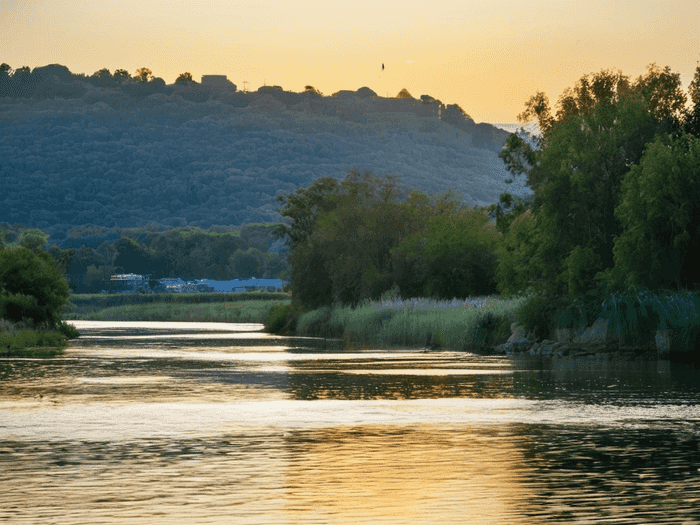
(243, 307)
(114, 149)
(90, 255)
(611, 229)
(33, 293)
(616, 202)
(360, 238)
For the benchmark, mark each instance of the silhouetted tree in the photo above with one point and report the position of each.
(184, 78)
(143, 74)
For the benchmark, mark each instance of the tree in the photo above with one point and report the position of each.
(312, 90)
(453, 256)
(660, 212)
(404, 94)
(143, 75)
(31, 286)
(601, 128)
(102, 77)
(121, 76)
(184, 78)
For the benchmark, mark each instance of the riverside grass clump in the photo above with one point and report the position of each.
(635, 314)
(459, 324)
(24, 339)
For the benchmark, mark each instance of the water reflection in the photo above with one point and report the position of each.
(156, 423)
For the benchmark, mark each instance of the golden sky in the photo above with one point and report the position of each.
(488, 56)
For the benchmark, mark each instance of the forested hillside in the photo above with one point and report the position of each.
(112, 151)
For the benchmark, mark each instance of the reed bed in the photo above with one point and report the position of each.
(455, 324)
(251, 311)
(83, 304)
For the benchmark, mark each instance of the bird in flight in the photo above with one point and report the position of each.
(382, 66)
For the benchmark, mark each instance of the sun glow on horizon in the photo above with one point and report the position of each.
(488, 58)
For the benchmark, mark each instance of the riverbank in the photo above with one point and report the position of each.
(246, 307)
(497, 326)
(17, 340)
(473, 324)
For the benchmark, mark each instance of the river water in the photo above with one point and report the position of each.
(215, 423)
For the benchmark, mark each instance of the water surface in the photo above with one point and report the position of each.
(217, 423)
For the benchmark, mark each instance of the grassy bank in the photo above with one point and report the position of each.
(20, 340)
(470, 324)
(204, 307)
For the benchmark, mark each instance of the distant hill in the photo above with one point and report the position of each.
(77, 150)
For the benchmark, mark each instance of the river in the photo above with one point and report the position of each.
(222, 423)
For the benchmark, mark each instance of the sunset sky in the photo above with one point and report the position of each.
(487, 56)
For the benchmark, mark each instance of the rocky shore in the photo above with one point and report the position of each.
(598, 339)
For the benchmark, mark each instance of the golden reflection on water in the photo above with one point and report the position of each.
(422, 474)
(161, 425)
(358, 474)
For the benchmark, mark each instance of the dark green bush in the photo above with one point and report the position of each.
(281, 319)
(70, 331)
(538, 313)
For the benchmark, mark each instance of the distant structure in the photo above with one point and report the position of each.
(217, 81)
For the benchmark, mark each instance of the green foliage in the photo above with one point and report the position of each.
(281, 319)
(601, 128)
(31, 286)
(660, 211)
(471, 327)
(519, 259)
(538, 313)
(68, 330)
(250, 311)
(358, 239)
(453, 256)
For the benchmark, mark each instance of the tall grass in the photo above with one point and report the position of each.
(82, 304)
(458, 324)
(250, 311)
(23, 339)
(635, 314)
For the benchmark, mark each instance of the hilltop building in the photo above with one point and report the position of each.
(217, 81)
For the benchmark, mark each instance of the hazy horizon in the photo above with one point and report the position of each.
(487, 58)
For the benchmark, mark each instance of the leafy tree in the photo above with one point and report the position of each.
(121, 76)
(184, 78)
(600, 129)
(454, 256)
(660, 212)
(133, 257)
(143, 74)
(404, 94)
(33, 239)
(103, 77)
(248, 263)
(31, 286)
(312, 90)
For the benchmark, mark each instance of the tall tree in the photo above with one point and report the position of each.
(601, 128)
(660, 212)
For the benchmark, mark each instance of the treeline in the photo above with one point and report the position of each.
(365, 236)
(89, 256)
(616, 206)
(613, 224)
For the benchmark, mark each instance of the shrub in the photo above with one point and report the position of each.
(280, 319)
(70, 331)
(537, 314)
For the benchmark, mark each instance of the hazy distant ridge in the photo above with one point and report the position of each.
(105, 156)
